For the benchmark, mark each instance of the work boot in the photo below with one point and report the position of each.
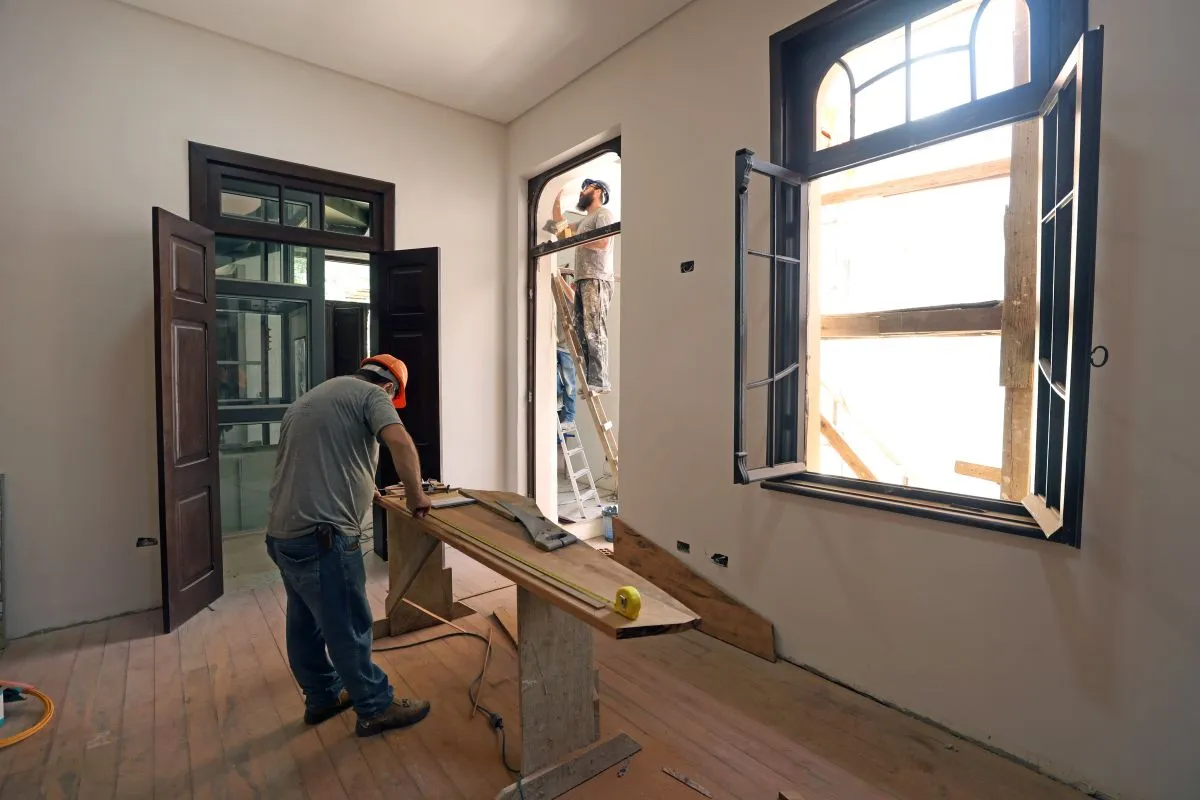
(315, 716)
(401, 713)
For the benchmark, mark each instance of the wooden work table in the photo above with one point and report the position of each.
(560, 595)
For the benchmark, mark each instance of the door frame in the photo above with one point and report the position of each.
(535, 253)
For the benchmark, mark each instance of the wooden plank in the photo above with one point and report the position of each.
(508, 621)
(956, 176)
(1020, 292)
(171, 765)
(98, 779)
(580, 564)
(558, 779)
(688, 782)
(205, 756)
(843, 449)
(721, 616)
(559, 711)
(65, 759)
(420, 576)
(790, 795)
(975, 320)
(135, 770)
(418, 548)
(981, 471)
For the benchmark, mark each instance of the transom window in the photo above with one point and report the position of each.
(927, 217)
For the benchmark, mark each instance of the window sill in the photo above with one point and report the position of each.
(976, 512)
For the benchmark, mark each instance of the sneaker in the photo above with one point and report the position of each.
(315, 716)
(400, 714)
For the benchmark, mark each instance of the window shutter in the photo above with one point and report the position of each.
(779, 418)
(1070, 152)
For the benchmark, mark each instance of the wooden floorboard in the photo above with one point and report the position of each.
(212, 711)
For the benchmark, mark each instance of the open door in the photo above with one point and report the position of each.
(404, 323)
(185, 312)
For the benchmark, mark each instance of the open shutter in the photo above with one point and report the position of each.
(404, 323)
(770, 299)
(1070, 153)
(189, 503)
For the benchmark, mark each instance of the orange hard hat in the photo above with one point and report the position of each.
(396, 369)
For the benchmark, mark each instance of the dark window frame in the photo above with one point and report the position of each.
(536, 251)
(800, 57)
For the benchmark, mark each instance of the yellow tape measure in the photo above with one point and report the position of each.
(628, 603)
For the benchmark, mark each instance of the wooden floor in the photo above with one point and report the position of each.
(211, 711)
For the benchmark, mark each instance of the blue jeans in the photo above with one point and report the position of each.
(566, 386)
(327, 609)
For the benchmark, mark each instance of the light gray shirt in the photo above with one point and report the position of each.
(591, 263)
(328, 451)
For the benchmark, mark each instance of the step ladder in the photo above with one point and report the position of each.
(564, 302)
(572, 449)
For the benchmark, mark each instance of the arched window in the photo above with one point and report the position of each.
(907, 133)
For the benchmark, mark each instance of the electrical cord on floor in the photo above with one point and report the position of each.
(494, 720)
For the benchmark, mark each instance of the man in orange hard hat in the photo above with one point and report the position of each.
(323, 488)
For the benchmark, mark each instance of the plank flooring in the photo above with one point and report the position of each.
(211, 711)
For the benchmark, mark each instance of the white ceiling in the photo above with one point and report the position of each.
(493, 58)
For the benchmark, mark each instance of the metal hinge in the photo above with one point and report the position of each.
(529, 398)
(530, 291)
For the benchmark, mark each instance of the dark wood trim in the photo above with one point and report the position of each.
(980, 319)
(533, 194)
(207, 165)
(285, 169)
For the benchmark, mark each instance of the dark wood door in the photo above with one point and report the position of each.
(404, 323)
(185, 312)
(345, 337)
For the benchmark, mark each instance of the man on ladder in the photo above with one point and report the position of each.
(593, 263)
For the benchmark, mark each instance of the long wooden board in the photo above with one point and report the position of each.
(578, 564)
(724, 617)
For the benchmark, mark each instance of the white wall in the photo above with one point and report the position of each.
(97, 104)
(1081, 661)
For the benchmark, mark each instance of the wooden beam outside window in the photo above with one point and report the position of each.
(978, 319)
(919, 183)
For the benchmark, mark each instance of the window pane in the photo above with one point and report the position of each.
(254, 260)
(833, 108)
(247, 465)
(949, 27)
(343, 215)
(249, 200)
(262, 351)
(300, 208)
(1002, 47)
(939, 83)
(758, 319)
(347, 277)
(874, 57)
(910, 408)
(881, 105)
(604, 167)
(756, 427)
(926, 248)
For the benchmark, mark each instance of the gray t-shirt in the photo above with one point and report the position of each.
(328, 451)
(591, 263)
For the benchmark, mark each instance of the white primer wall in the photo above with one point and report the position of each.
(97, 104)
(1083, 662)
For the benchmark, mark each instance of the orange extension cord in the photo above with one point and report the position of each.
(43, 722)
